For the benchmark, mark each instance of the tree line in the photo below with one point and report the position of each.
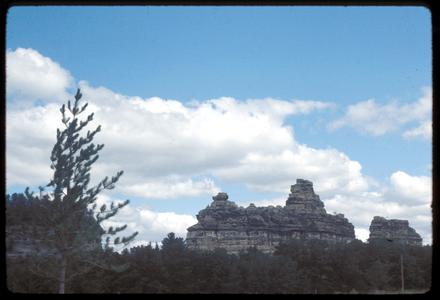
(312, 266)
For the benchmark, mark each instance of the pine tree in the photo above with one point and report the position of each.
(72, 231)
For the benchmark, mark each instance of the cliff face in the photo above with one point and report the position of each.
(223, 224)
(394, 230)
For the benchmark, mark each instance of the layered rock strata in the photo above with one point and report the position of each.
(223, 224)
(393, 230)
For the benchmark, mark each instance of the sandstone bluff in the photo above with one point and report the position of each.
(223, 224)
(394, 231)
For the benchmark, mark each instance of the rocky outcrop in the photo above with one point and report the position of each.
(394, 231)
(223, 224)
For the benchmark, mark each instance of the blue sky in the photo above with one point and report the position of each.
(338, 55)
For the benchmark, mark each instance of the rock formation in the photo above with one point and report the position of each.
(394, 231)
(223, 224)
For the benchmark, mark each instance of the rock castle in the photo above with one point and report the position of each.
(223, 224)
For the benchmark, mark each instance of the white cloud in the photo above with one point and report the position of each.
(30, 135)
(406, 197)
(165, 222)
(376, 119)
(412, 189)
(424, 131)
(330, 170)
(281, 201)
(152, 226)
(362, 234)
(172, 187)
(169, 150)
(32, 76)
(154, 140)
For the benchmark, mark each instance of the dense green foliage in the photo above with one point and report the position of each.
(296, 267)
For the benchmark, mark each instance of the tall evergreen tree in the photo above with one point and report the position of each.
(71, 231)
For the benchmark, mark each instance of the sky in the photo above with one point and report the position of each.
(244, 100)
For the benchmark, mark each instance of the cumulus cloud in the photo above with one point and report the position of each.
(32, 76)
(330, 170)
(30, 135)
(362, 234)
(281, 201)
(405, 197)
(239, 141)
(161, 144)
(152, 226)
(173, 150)
(411, 189)
(172, 187)
(377, 119)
